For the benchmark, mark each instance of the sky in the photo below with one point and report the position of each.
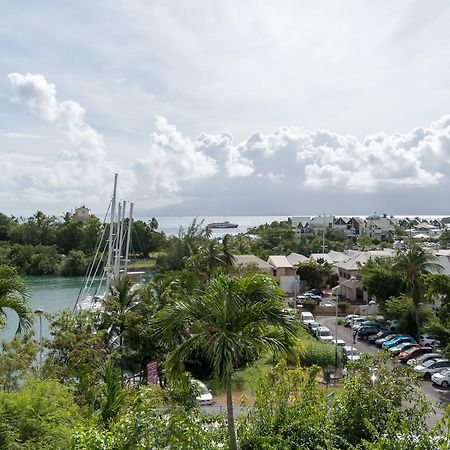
(226, 107)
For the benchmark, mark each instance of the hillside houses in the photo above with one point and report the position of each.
(380, 227)
(346, 265)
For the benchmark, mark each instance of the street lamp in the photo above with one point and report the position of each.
(39, 313)
(335, 338)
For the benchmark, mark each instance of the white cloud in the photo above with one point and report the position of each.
(171, 160)
(265, 167)
(73, 174)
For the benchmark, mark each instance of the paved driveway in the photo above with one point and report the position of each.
(438, 396)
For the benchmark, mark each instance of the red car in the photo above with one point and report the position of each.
(413, 352)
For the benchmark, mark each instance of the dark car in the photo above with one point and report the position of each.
(365, 331)
(381, 334)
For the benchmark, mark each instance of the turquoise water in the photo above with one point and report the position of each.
(50, 293)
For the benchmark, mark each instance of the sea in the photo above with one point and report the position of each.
(54, 293)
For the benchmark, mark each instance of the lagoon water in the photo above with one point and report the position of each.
(50, 293)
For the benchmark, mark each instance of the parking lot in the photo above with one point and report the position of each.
(438, 396)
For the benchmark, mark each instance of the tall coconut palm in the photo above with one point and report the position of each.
(413, 263)
(230, 319)
(122, 298)
(13, 296)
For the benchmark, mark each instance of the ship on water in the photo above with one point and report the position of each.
(225, 224)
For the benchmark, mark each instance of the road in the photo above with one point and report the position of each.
(438, 396)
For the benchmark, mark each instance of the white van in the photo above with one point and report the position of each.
(306, 317)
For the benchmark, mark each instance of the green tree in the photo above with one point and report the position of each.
(364, 241)
(290, 411)
(5, 225)
(90, 235)
(313, 273)
(75, 263)
(233, 317)
(145, 240)
(373, 393)
(13, 296)
(144, 426)
(412, 264)
(153, 224)
(77, 354)
(69, 235)
(444, 238)
(41, 414)
(122, 299)
(16, 360)
(380, 280)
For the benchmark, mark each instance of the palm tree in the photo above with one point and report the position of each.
(413, 263)
(230, 319)
(13, 295)
(122, 298)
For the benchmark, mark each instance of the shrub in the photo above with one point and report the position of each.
(309, 305)
(40, 415)
(319, 354)
(343, 307)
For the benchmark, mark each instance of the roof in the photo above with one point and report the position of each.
(242, 260)
(296, 258)
(297, 221)
(337, 256)
(279, 261)
(444, 261)
(358, 259)
(325, 256)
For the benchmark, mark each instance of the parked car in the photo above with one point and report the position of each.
(338, 342)
(432, 366)
(381, 334)
(312, 327)
(300, 299)
(413, 352)
(204, 397)
(350, 354)
(397, 349)
(364, 331)
(323, 334)
(423, 358)
(306, 317)
(317, 292)
(348, 320)
(429, 339)
(379, 342)
(441, 378)
(356, 321)
(398, 340)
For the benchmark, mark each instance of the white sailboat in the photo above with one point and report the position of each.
(114, 246)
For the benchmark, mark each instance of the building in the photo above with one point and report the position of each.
(349, 277)
(252, 260)
(380, 227)
(295, 258)
(285, 273)
(301, 225)
(81, 213)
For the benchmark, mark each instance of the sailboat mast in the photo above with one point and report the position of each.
(110, 243)
(127, 249)
(121, 235)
